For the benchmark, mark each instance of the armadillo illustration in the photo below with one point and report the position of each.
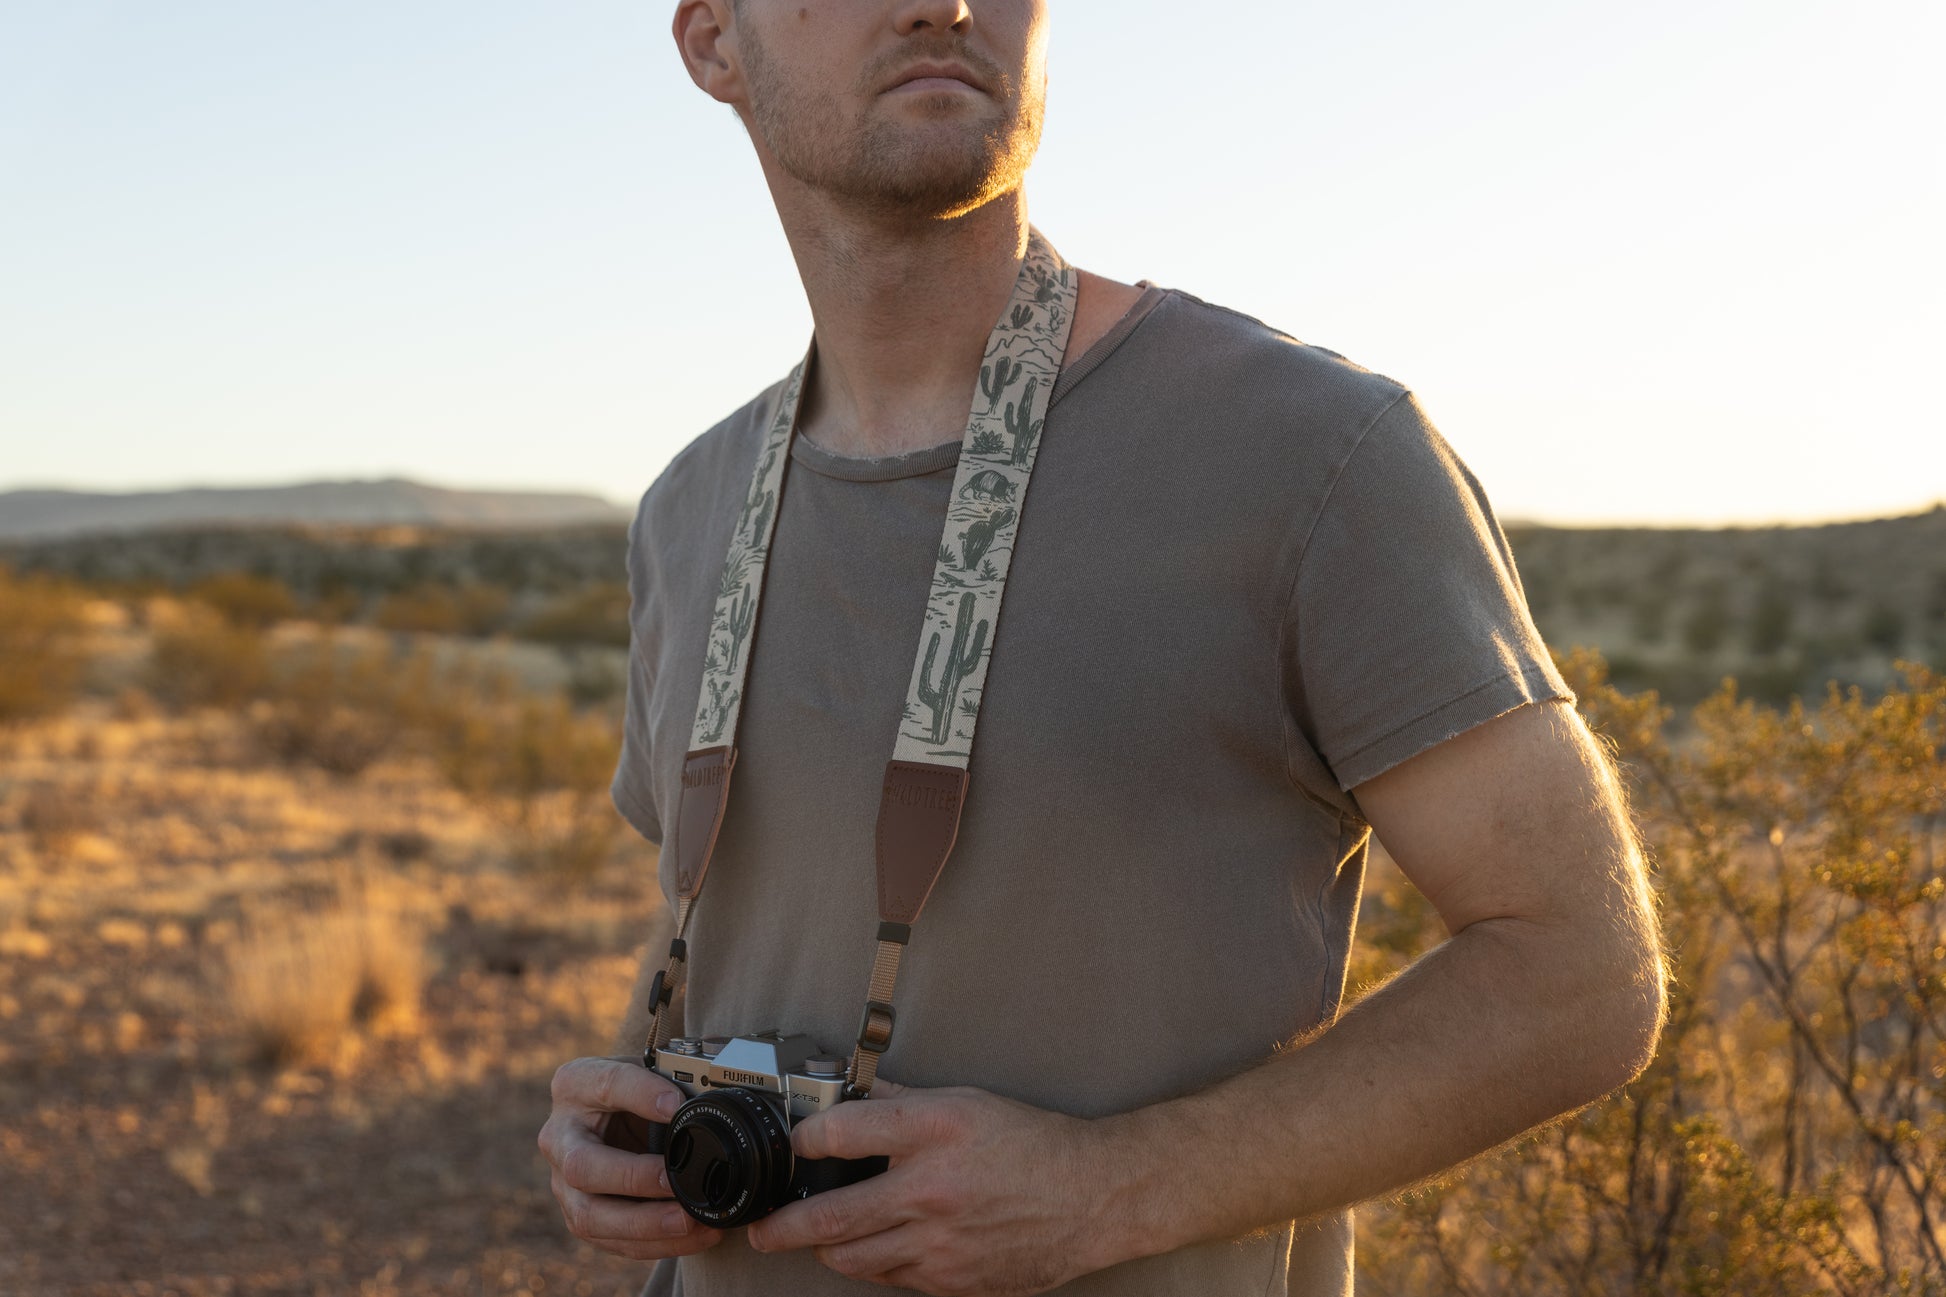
(988, 484)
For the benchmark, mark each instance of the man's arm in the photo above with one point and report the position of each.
(1548, 995)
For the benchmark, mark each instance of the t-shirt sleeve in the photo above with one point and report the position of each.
(633, 788)
(1407, 614)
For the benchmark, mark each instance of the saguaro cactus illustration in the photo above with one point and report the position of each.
(1023, 430)
(743, 615)
(762, 519)
(960, 659)
(1022, 313)
(750, 503)
(996, 378)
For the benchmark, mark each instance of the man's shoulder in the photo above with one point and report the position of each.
(1216, 352)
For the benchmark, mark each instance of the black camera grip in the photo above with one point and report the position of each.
(817, 1174)
(635, 1134)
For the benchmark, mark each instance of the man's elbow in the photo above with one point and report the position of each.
(1625, 1019)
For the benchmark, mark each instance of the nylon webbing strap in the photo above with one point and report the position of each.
(925, 783)
(875, 1023)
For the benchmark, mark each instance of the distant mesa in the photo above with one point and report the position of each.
(394, 501)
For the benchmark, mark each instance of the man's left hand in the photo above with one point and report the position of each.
(982, 1195)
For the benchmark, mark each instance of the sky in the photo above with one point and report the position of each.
(1671, 262)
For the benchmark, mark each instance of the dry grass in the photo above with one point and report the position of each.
(296, 986)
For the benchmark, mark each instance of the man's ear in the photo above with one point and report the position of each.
(706, 37)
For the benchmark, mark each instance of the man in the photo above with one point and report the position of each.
(1256, 609)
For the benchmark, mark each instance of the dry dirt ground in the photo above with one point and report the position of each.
(151, 872)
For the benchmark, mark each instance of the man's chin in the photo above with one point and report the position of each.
(937, 176)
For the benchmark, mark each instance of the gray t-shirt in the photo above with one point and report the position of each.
(1250, 575)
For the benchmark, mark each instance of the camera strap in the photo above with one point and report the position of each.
(925, 782)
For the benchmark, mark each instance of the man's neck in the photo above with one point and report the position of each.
(902, 314)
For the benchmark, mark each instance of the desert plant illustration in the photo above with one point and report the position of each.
(761, 519)
(1025, 429)
(721, 699)
(734, 567)
(996, 378)
(742, 616)
(758, 504)
(977, 538)
(988, 442)
(960, 659)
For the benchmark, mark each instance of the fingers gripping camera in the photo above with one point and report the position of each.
(728, 1148)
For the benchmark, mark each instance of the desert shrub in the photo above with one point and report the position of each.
(294, 985)
(334, 602)
(245, 598)
(538, 765)
(337, 709)
(289, 986)
(472, 609)
(1790, 1135)
(203, 659)
(595, 614)
(43, 638)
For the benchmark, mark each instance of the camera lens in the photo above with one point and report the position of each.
(729, 1157)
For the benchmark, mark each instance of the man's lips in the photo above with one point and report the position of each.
(935, 76)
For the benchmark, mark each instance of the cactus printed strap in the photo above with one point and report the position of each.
(925, 781)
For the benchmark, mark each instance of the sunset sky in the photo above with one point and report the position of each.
(1665, 262)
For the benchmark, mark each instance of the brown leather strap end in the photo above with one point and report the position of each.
(699, 814)
(918, 819)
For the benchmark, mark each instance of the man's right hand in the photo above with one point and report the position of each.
(594, 1182)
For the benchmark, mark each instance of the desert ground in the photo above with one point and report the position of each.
(269, 1029)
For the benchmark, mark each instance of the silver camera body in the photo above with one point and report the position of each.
(807, 1079)
(727, 1149)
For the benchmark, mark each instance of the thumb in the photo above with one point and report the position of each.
(884, 1089)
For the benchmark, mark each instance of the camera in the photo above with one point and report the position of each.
(727, 1149)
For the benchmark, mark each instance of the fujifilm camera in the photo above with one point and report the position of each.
(728, 1147)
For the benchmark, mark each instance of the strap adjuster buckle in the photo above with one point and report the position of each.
(875, 1026)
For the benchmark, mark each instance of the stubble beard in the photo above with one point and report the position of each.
(950, 162)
